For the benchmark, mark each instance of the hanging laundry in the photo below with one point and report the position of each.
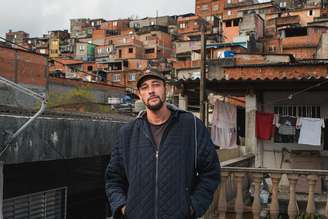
(310, 131)
(274, 122)
(264, 125)
(287, 125)
(224, 125)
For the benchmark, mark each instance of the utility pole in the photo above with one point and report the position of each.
(202, 97)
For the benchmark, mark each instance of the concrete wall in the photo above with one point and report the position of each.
(1, 189)
(162, 21)
(322, 52)
(252, 23)
(13, 98)
(50, 138)
(187, 46)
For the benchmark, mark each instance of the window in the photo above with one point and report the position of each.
(229, 13)
(215, 8)
(272, 49)
(228, 23)
(283, 4)
(229, 1)
(116, 77)
(81, 48)
(236, 22)
(132, 77)
(90, 68)
(209, 18)
(182, 25)
(130, 50)
(45, 204)
(312, 111)
(204, 7)
(310, 13)
(115, 24)
(148, 51)
(152, 23)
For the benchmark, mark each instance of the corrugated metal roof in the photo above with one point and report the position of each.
(240, 79)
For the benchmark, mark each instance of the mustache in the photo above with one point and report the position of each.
(153, 96)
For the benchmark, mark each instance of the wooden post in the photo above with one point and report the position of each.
(202, 72)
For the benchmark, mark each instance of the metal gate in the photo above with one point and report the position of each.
(51, 204)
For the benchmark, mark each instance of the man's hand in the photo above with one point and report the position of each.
(123, 210)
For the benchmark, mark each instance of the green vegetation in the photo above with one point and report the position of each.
(77, 99)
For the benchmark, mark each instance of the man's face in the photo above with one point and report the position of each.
(153, 93)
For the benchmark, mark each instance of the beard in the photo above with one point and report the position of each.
(156, 106)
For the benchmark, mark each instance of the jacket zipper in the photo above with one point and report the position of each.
(156, 184)
(157, 164)
(156, 175)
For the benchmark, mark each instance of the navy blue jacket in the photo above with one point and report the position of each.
(160, 182)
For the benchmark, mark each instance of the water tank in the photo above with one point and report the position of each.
(228, 54)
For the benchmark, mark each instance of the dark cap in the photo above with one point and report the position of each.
(149, 74)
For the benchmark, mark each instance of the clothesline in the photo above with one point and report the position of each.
(287, 126)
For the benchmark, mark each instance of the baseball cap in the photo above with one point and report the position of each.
(148, 75)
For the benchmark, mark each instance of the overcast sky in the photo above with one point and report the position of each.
(39, 16)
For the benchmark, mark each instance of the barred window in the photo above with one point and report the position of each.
(312, 111)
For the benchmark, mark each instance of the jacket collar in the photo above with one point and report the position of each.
(175, 111)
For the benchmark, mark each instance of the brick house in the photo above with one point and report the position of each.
(274, 84)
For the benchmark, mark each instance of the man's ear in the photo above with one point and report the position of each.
(138, 93)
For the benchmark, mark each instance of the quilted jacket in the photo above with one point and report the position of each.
(162, 182)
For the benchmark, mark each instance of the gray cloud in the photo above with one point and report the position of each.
(40, 16)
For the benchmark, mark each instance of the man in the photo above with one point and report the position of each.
(153, 173)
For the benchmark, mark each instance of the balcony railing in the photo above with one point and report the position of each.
(229, 200)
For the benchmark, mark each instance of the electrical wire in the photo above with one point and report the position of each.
(291, 96)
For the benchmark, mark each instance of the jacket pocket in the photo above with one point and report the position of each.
(186, 204)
